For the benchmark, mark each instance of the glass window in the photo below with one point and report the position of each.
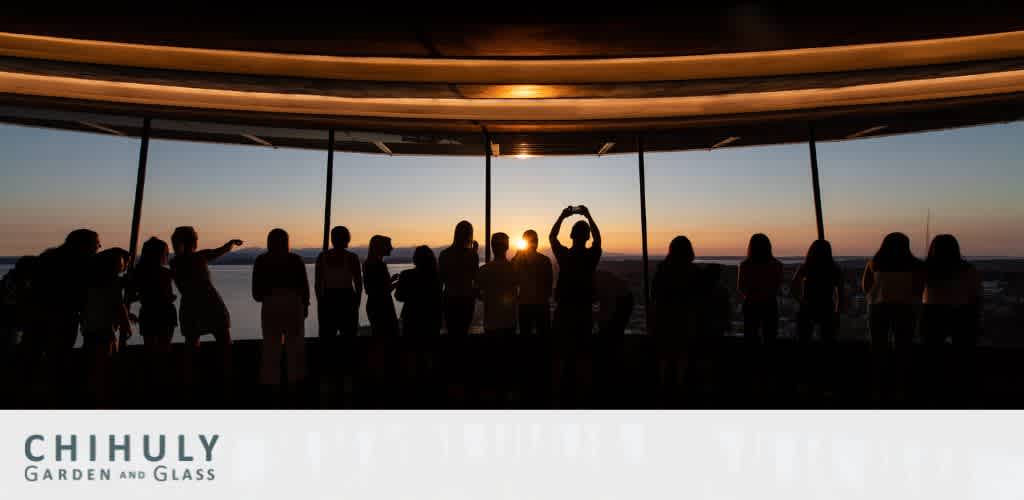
(965, 182)
(530, 193)
(719, 198)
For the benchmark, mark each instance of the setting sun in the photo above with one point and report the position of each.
(521, 244)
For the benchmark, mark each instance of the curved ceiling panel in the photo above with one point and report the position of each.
(500, 71)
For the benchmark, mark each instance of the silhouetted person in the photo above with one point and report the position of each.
(17, 304)
(535, 283)
(60, 283)
(758, 282)
(380, 307)
(419, 289)
(151, 285)
(338, 282)
(893, 286)
(105, 314)
(498, 281)
(952, 295)
(576, 265)
(678, 290)
(458, 265)
(614, 304)
(279, 282)
(818, 287)
(202, 311)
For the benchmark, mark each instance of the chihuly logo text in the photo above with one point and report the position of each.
(92, 457)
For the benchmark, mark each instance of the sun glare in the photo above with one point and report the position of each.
(521, 244)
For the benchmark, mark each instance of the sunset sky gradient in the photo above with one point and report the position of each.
(971, 179)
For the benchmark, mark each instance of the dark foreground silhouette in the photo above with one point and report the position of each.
(580, 359)
(515, 372)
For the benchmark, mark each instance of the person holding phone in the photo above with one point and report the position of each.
(576, 265)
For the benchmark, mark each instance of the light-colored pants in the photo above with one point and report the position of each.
(283, 322)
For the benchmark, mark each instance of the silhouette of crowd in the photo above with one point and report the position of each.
(79, 288)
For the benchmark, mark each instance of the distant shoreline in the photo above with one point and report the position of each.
(250, 256)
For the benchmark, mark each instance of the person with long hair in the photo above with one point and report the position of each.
(380, 307)
(280, 283)
(338, 282)
(893, 285)
(419, 289)
(201, 310)
(952, 295)
(758, 282)
(676, 290)
(150, 284)
(818, 286)
(458, 265)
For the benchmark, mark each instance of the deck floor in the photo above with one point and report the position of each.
(634, 372)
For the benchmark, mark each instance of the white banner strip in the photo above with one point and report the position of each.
(523, 454)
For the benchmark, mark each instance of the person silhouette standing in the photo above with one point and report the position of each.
(952, 310)
(458, 266)
(338, 282)
(535, 283)
(758, 282)
(280, 283)
(419, 289)
(497, 281)
(893, 284)
(818, 287)
(150, 284)
(201, 311)
(576, 265)
(952, 296)
(677, 289)
(574, 294)
(380, 307)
